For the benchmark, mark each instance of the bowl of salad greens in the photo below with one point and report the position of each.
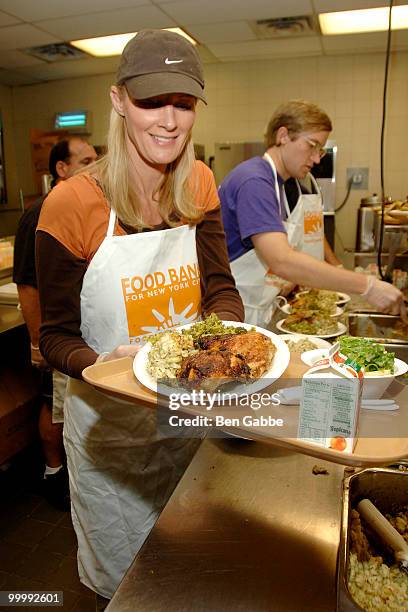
(380, 366)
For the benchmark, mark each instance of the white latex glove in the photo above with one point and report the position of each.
(124, 350)
(384, 296)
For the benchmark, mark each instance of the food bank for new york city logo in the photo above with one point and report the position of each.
(170, 297)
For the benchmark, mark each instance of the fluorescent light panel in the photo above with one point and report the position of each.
(105, 46)
(365, 20)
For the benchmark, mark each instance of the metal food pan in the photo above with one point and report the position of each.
(387, 488)
(380, 327)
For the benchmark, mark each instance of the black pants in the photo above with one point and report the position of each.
(100, 602)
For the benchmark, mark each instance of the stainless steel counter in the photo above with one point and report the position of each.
(248, 528)
(10, 317)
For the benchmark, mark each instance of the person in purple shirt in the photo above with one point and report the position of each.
(249, 205)
(267, 243)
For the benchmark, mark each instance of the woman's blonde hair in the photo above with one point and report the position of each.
(297, 116)
(174, 195)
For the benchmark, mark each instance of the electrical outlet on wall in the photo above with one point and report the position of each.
(359, 177)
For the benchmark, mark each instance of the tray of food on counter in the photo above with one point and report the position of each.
(322, 302)
(244, 361)
(323, 296)
(310, 323)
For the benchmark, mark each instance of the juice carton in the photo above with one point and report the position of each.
(330, 403)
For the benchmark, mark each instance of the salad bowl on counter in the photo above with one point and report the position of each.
(381, 367)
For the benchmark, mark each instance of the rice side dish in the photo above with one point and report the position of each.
(300, 346)
(377, 587)
(167, 353)
(374, 585)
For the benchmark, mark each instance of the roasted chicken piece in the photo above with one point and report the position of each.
(256, 349)
(209, 369)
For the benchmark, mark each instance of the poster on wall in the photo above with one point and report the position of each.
(41, 143)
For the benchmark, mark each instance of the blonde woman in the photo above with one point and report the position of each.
(268, 244)
(132, 246)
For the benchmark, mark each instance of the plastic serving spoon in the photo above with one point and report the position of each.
(386, 531)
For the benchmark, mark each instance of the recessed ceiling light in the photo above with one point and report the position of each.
(104, 46)
(365, 20)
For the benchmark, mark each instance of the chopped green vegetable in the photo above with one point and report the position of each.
(368, 354)
(211, 326)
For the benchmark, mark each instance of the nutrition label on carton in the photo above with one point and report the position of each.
(329, 408)
(316, 398)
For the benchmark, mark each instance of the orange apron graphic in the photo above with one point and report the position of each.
(161, 299)
(150, 281)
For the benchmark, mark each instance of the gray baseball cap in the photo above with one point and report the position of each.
(157, 62)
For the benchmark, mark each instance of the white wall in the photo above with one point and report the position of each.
(241, 98)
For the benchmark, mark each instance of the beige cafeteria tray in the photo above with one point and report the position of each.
(116, 378)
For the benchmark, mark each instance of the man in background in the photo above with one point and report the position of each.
(67, 157)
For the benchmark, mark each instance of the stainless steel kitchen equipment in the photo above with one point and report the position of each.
(325, 175)
(387, 487)
(366, 224)
(383, 328)
(229, 154)
(248, 528)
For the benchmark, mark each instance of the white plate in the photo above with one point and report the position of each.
(310, 357)
(341, 329)
(288, 310)
(318, 342)
(398, 213)
(342, 298)
(279, 364)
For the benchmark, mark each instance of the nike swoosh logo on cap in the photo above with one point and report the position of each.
(169, 61)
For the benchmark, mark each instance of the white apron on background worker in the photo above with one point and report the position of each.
(259, 287)
(122, 471)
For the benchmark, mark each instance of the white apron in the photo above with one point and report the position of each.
(257, 285)
(122, 471)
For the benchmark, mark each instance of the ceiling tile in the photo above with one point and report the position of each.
(399, 39)
(267, 48)
(197, 11)
(331, 6)
(111, 22)
(74, 68)
(34, 10)
(221, 32)
(6, 20)
(352, 43)
(24, 35)
(14, 78)
(17, 59)
(205, 54)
